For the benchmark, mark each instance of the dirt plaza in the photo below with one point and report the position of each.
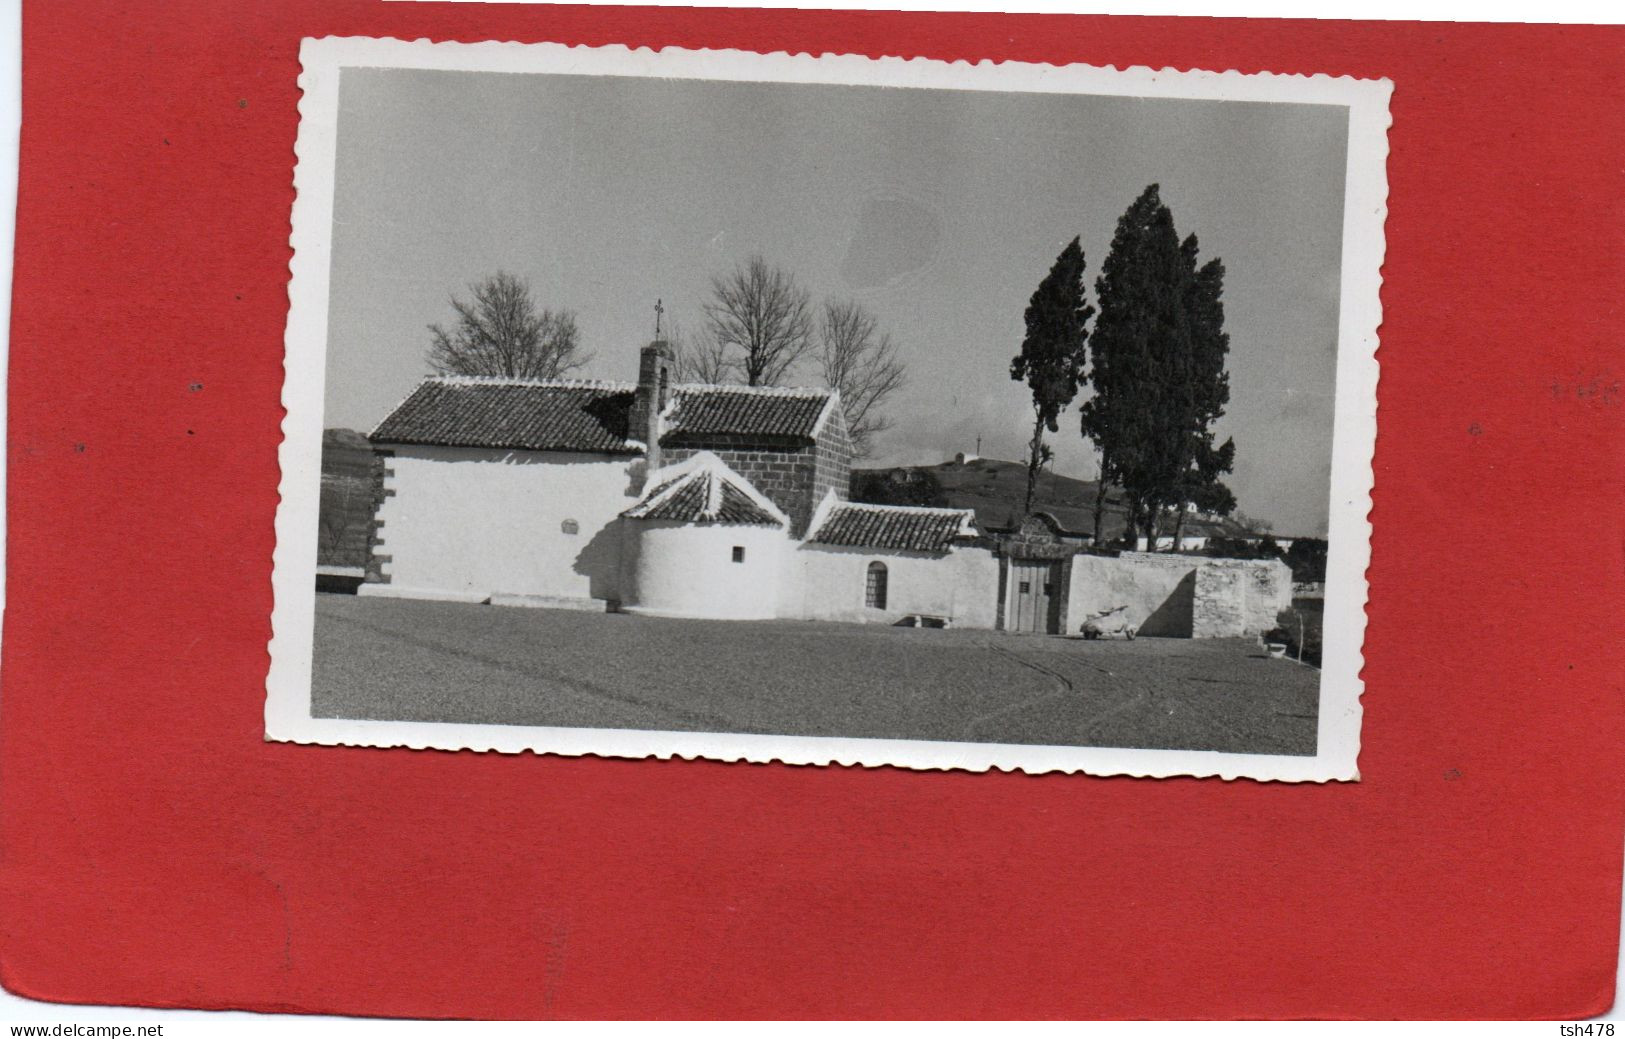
(392, 659)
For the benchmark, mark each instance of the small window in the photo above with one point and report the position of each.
(874, 589)
(570, 526)
(1026, 587)
(739, 553)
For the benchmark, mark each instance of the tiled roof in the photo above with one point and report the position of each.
(699, 411)
(559, 416)
(703, 489)
(590, 416)
(894, 527)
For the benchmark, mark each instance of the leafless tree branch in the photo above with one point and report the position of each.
(760, 312)
(500, 332)
(860, 361)
(699, 358)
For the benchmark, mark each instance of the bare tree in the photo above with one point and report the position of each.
(500, 332)
(760, 311)
(698, 358)
(861, 362)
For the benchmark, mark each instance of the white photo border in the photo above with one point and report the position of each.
(287, 706)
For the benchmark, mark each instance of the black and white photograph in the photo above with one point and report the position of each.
(819, 410)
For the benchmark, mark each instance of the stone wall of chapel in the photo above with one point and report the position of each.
(832, 462)
(786, 474)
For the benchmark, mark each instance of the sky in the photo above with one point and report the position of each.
(938, 210)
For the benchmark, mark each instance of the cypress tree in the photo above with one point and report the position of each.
(1157, 353)
(1053, 352)
(1207, 391)
(1137, 314)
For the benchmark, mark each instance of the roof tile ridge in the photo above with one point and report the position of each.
(713, 492)
(506, 380)
(920, 510)
(807, 392)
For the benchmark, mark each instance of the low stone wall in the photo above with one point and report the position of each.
(1181, 596)
(1269, 591)
(1157, 590)
(1220, 604)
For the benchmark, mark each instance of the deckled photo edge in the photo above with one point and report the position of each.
(288, 686)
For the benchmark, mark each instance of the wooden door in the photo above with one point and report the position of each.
(1033, 598)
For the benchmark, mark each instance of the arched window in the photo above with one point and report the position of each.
(874, 588)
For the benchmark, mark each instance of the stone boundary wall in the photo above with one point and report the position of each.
(1182, 596)
(1267, 591)
(1219, 607)
(1156, 589)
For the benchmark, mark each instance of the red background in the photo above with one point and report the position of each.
(156, 851)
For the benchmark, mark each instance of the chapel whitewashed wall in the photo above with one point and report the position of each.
(827, 582)
(723, 571)
(471, 523)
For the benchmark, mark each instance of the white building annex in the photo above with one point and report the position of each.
(726, 502)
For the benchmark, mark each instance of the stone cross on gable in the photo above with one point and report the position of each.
(659, 310)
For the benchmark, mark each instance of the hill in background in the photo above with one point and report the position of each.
(995, 489)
